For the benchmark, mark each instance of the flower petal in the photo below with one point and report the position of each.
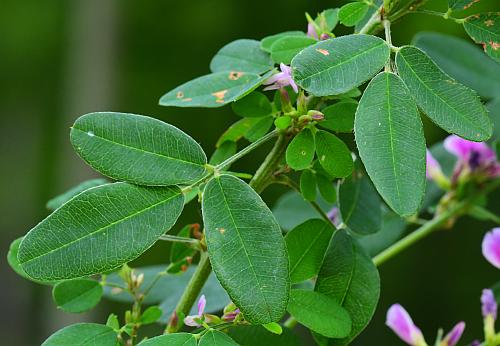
(452, 338)
(491, 247)
(401, 323)
(189, 321)
(432, 166)
(489, 304)
(463, 149)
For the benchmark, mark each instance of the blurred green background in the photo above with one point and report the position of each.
(61, 59)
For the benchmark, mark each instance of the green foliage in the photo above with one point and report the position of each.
(216, 338)
(213, 90)
(307, 244)
(137, 149)
(339, 117)
(77, 295)
(452, 106)
(484, 29)
(291, 210)
(178, 339)
(391, 142)
(57, 201)
(308, 185)
(336, 66)
(81, 334)
(151, 315)
(223, 152)
(267, 42)
(360, 205)
(81, 238)
(457, 5)
(246, 249)
(352, 13)
(468, 64)
(286, 48)
(349, 276)
(326, 188)
(253, 105)
(300, 152)
(256, 335)
(333, 155)
(320, 313)
(241, 56)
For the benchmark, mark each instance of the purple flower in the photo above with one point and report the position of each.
(311, 31)
(281, 79)
(451, 339)
(194, 320)
(491, 247)
(401, 323)
(334, 216)
(477, 157)
(432, 166)
(488, 304)
(476, 343)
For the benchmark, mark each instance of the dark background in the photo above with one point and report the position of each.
(61, 59)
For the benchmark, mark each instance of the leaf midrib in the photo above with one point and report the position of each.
(102, 228)
(139, 149)
(218, 180)
(439, 96)
(343, 62)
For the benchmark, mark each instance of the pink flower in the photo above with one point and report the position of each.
(489, 305)
(432, 166)
(491, 247)
(477, 157)
(451, 339)
(401, 323)
(281, 79)
(311, 31)
(194, 321)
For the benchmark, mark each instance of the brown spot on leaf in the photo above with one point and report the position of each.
(180, 94)
(494, 45)
(219, 95)
(234, 75)
(323, 51)
(221, 230)
(470, 4)
(187, 99)
(489, 22)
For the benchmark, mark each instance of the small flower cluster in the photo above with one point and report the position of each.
(231, 313)
(475, 160)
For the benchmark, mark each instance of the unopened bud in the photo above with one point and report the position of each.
(316, 115)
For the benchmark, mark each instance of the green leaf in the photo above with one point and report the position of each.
(307, 244)
(320, 313)
(284, 49)
(360, 205)
(57, 201)
(274, 328)
(177, 339)
(308, 185)
(99, 230)
(326, 188)
(259, 129)
(468, 64)
(349, 276)
(113, 322)
(452, 106)
(494, 109)
(256, 335)
(213, 90)
(328, 19)
(253, 105)
(168, 290)
(223, 152)
(14, 261)
(283, 122)
(291, 210)
(460, 5)
(268, 41)
(246, 249)
(300, 151)
(484, 29)
(368, 15)
(392, 229)
(83, 334)
(216, 338)
(243, 56)
(137, 149)
(237, 130)
(335, 66)
(179, 251)
(151, 315)
(339, 117)
(352, 13)
(333, 155)
(391, 142)
(77, 295)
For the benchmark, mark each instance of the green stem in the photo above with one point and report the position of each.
(290, 322)
(433, 225)
(264, 174)
(191, 292)
(388, 39)
(221, 166)
(177, 239)
(372, 22)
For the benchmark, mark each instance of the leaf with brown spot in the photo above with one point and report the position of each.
(484, 29)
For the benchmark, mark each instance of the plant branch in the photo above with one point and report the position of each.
(177, 239)
(372, 22)
(433, 225)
